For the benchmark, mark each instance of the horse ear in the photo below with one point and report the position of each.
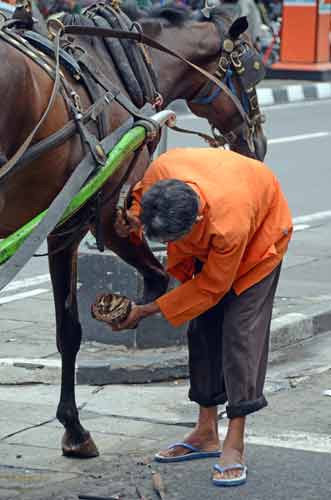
(209, 6)
(150, 27)
(238, 27)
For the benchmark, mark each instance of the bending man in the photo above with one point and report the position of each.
(227, 226)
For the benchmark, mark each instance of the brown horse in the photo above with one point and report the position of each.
(25, 89)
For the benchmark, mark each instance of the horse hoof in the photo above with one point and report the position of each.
(87, 449)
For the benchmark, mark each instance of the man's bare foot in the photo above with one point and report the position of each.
(203, 441)
(230, 456)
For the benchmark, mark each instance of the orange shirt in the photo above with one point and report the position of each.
(242, 237)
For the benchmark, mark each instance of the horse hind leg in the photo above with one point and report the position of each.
(76, 441)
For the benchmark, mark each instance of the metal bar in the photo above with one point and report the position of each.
(128, 144)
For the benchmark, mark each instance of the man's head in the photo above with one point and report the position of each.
(169, 210)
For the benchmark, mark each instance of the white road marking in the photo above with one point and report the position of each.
(47, 363)
(300, 137)
(305, 441)
(314, 217)
(27, 282)
(23, 295)
(301, 227)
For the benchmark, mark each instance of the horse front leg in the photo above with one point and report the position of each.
(140, 256)
(76, 441)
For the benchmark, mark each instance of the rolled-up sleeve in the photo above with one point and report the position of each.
(204, 290)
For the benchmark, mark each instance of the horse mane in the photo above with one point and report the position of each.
(174, 14)
(76, 20)
(80, 20)
(177, 15)
(131, 9)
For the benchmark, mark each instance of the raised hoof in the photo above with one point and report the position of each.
(87, 449)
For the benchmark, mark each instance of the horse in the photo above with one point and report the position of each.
(25, 89)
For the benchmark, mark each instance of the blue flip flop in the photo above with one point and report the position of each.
(236, 481)
(194, 454)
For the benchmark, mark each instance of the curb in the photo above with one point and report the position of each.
(286, 330)
(155, 365)
(272, 96)
(292, 328)
(294, 93)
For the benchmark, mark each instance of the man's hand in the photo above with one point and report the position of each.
(136, 315)
(131, 321)
(125, 223)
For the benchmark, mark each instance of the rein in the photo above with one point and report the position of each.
(146, 40)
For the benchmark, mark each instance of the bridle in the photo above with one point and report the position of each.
(234, 53)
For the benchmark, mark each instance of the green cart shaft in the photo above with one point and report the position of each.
(129, 143)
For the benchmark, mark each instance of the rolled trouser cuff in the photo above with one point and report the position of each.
(220, 399)
(246, 407)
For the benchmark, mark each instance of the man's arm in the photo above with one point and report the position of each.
(136, 315)
(204, 290)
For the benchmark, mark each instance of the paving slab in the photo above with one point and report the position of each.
(285, 442)
(268, 478)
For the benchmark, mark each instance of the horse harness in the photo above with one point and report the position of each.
(237, 59)
(64, 52)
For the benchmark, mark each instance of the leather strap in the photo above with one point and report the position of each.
(23, 148)
(57, 138)
(144, 39)
(208, 138)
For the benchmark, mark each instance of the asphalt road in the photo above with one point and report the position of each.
(299, 138)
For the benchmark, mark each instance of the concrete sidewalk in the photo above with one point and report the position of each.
(302, 311)
(288, 444)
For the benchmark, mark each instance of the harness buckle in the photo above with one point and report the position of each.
(77, 101)
(253, 102)
(237, 63)
(158, 101)
(223, 64)
(54, 26)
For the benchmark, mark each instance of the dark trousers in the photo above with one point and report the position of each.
(228, 349)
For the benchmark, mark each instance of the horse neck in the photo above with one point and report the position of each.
(197, 42)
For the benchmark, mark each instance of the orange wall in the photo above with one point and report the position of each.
(298, 43)
(322, 48)
(323, 29)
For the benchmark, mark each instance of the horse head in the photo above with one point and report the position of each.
(211, 41)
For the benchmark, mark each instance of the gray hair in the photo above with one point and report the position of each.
(169, 210)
